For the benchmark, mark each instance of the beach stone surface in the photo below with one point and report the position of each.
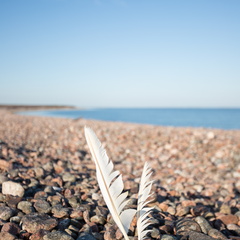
(50, 190)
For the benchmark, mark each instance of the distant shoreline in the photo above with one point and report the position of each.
(16, 108)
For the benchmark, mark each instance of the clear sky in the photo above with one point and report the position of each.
(120, 53)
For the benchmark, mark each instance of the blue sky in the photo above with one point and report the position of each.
(119, 53)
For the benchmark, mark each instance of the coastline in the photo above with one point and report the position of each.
(196, 170)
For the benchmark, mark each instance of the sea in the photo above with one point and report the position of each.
(221, 118)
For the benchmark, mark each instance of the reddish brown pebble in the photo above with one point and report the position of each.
(39, 234)
(11, 228)
(227, 219)
(163, 206)
(188, 203)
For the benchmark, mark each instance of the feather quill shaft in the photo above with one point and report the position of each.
(143, 194)
(110, 183)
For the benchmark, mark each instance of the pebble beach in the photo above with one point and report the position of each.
(49, 191)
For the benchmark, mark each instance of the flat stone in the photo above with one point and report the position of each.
(12, 188)
(57, 235)
(6, 212)
(35, 222)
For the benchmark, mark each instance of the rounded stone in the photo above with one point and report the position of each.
(6, 213)
(12, 188)
(25, 207)
(42, 206)
(35, 222)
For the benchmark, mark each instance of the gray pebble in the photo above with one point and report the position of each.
(34, 222)
(155, 233)
(57, 235)
(42, 206)
(68, 177)
(25, 207)
(216, 234)
(6, 213)
(59, 211)
(191, 235)
(74, 202)
(234, 228)
(63, 224)
(167, 237)
(186, 225)
(237, 214)
(48, 167)
(15, 219)
(204, 224)
(98, 219)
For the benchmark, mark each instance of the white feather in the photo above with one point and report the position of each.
(110, 183)
(143, 194)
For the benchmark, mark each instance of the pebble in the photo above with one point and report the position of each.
(234, 228)
(192, 235)
(155, 233)
(216, 234)
(10, 227)
(186, 225)
(39, 234)
(167, 237)
(57, 235)
(225, 209)
(204, 224)
(6, 213)
(12, 188)
(42, 206)
(59, 211)
(68, 177)
(182, 211)
(228, 219)
(25, 207)
(35, 222)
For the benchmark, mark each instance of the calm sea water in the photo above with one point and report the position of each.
(179, 117)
